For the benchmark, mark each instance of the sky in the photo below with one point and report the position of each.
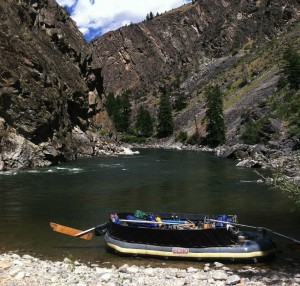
(96, 17)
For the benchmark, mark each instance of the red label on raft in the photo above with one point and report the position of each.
(180, 250)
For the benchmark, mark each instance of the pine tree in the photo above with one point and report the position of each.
(124, 113)
(214, 116)
(110, 104)
(116, 116)
(119, 109)
(180, 101)
(165, 120)
(144, 122)
(292, 68)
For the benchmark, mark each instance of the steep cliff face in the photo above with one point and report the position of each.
(142, 56)
(50, 91)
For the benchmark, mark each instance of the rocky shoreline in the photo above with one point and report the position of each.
(16, 270)
(250, 156)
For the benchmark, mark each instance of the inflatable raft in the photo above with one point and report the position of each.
(185, 236)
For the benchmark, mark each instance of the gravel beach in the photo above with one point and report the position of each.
(16, 270)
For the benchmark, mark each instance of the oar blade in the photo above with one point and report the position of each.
(70, 231)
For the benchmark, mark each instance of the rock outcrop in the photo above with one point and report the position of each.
(50, 90)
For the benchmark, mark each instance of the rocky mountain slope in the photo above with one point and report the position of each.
(174, 44)
(50, 91)
(230, 43)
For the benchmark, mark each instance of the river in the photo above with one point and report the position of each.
(83, 193)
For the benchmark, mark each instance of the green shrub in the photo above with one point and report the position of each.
(130, 138)
(282, 82)
(193, 140)
(252, 133)
(181, 136)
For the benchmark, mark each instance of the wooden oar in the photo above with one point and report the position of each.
(71, 231)
(259, 228)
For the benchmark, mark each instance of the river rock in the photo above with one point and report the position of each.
(181, 274)
(249, 163)
(200, 276)
(233, 280)
(219, 275)
(149, 272)
(132, 269)
(218, 264)
(191, 270)
(106, 277)
(5, 265)
(206, 268)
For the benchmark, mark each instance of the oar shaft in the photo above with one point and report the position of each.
(235, 224)
(85, 231)
(257, 227)
(283, 236)
(154, 222)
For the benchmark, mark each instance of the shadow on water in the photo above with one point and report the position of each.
(83, 193)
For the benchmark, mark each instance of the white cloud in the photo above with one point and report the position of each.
(95, 17)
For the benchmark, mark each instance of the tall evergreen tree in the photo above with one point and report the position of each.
(292, 68)
(214, 116)
(116, 116)
(144, 122)
(110, 104)
(124, 113)
(180, 101)
(165, 120)
(119, 109)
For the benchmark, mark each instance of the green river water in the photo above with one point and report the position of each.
(83, 193)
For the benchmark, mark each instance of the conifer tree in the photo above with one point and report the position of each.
(144, 122)
(292, 68)
(214, 116)
(110, 104)
(165, 120)
(119, 109)
(124, 113)
(116, 116)
(180, 101)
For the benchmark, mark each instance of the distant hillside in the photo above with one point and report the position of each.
(235, 44)
(177, 43)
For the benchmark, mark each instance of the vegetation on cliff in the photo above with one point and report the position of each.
(214, 116)
(165, 120)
